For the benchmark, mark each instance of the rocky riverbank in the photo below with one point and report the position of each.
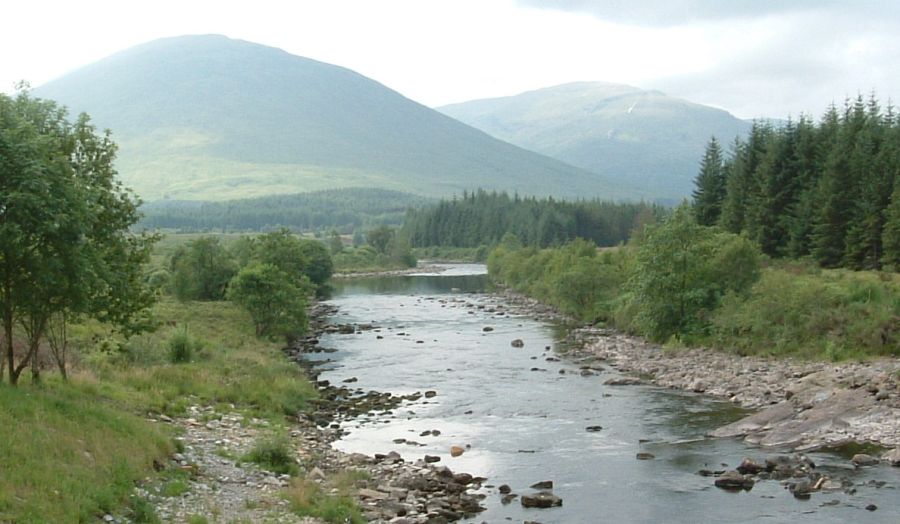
(798, 405)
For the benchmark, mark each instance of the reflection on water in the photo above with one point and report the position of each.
(525, 417)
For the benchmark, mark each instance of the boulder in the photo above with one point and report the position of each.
(517, 343)
(749, 467)
(862, 459)
(732, 480)
(456, 451)
(544, 484)
(541, 499)
(892, 457)
(623, 381)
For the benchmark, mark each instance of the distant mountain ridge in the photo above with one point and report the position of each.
(211, 118)
(634, 136)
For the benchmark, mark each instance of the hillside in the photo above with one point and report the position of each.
(211, 118)
(643, 138)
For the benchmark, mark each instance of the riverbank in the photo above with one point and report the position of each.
(428, 267)
(800, 405)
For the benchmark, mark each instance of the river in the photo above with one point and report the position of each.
(524, 418)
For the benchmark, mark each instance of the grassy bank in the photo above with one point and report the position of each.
(73, 451)
(452, 253)
(792, 308)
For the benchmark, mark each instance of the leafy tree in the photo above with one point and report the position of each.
(710, 185)
(380, 237)
(65, 243)
(275, 300)
(202, 269)
(681, 272)
(335, 244)
(301, 260)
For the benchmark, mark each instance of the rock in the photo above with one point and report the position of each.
(432, 458)
(487, 329)
(544, 484)
(372, 494)
(643, 455)
(750, 467)
(456, 451)
(517, 343)
(506, 499)
(862, 459)
(732, 480)
(316, 474)
(430, 394)
(801, 490)
(892, 457)
(542, 499)
(623, 381)
(593, 429)
(504, 489)
(871, 507)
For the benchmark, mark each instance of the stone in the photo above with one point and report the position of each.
(544, 484)
(623, 381)
(750, 467)
(593, 429)
(487, 329)
(504, 489)
(732, 480)
(892, 457)
(643, 455)
(430, 394)
(432, 458)
(541, 499)
(517, 343)
(862, 459)
(456, 451)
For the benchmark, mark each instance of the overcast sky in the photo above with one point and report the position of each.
(752, 57)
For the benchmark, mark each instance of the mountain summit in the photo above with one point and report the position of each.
(208, 117)
(643, 138)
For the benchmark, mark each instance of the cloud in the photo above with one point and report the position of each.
(677, 12)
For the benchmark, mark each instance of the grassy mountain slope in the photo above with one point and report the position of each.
(644, 138)
(208, 117)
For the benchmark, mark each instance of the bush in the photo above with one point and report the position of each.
(201, 270)
(276, 304)
(681, 272)
(183, 347)
(274, 454)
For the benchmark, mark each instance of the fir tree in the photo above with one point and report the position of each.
(710, 185)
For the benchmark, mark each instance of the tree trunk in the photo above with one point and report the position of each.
(8, 335)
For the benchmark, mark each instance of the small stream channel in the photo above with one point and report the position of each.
(524, 415)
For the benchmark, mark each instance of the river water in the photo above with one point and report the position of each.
(525, 418)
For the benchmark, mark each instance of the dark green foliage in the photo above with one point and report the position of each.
(183, 347)
(891, 234)
(575, 278)
(379, 238)
(819, 190)
(299, 259)
(710, 185)
(681, 272)
(275, 300)
(201, 270)
(274, 454)
(65, 245)
(483, 218)
(347, 210)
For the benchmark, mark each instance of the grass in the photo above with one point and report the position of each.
(309, 499)
(69, 455)
(273, 453)
(73, 451)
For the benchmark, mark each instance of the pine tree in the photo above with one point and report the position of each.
(710, 185)
(890, 237)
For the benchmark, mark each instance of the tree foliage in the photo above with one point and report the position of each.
(819, 190)
(275, 300)
(681, 272)
(201, 270)
(482, 218)
(65, 244)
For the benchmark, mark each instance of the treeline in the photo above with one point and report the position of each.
(481, 218)
(345, 210)
(826, 190)
(690, 284)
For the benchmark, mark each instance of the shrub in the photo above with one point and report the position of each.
(183, 347)
(274, 454)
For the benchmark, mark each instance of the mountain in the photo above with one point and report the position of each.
(211, 118)
(643, 138)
